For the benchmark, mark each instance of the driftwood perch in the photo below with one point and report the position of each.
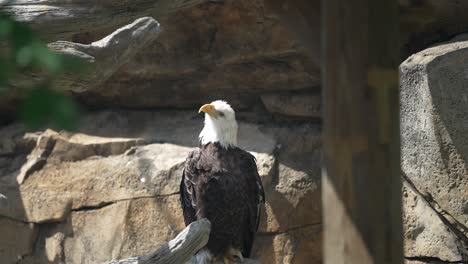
(104, 56)
(61, 20)
(181, 249)
(107, 54)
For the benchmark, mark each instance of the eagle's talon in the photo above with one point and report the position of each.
(238, 259)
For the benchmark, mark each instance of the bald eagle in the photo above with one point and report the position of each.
(221, 183)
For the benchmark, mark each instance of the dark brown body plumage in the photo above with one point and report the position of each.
(223, 185)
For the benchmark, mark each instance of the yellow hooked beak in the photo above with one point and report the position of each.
(209, 109)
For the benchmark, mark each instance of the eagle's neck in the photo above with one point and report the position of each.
(219, 131)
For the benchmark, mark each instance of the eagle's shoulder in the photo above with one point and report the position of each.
(248, 160)
(194, 154)
(192, 160)
(249, 167)
(188, 196)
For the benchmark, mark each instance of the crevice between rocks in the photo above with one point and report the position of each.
(37, 159)
(274, 173)
(289, 230)
(108, 203)
(16, 220)
(433, 260)
(457, 228)
(87, 208)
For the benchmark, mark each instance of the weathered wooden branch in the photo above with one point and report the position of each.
(3, 200)
(61, 20)
(104, 56)
(179, 250)
(107, 54)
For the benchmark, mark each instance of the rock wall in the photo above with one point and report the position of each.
(80, 197)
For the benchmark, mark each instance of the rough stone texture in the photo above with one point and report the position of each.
(16, 239)
(121, 229)
(302, 245)
(294, 196)
(59, 20)
(82, 193)
(104, 57)
(296, 105)
(89, 203)
(434, 118)
(426, 22)
(175, 127)
(213, 49)
(207, 51)
(424, 232)
(425, 261)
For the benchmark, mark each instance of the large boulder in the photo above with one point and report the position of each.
(111, 190)
(434, 118)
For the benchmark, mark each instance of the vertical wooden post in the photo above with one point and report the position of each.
(361, 173)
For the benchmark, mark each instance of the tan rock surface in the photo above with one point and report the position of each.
(425, 234)
(16, 240)
(92, 205)
(295, 104)
(293, 197)
(298, 246)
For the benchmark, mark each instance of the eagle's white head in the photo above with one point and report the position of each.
(220, 124)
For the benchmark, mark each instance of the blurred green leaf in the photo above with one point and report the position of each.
(48, 60)
(42, 105)
(6, 70)
(36, 107)
(28, 53)
(65, 113)
(6, 26)
(22, 36)
(24, 55)
(74, 64)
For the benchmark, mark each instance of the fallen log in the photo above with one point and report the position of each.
(107, 54)
(181, 249)
(104, 57)
(61, 20)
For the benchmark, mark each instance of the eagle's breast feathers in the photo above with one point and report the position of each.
(223, 185)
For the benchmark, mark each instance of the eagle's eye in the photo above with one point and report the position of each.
(220, 114)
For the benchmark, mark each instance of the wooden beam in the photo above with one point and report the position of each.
(361, 176)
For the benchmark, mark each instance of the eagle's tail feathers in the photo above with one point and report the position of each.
(234, 254)
(204, 256)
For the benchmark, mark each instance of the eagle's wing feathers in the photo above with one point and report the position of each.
(225, 187)
(255, 183)
(188, 195)
(260, 192)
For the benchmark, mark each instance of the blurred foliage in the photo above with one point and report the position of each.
(23, 52)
